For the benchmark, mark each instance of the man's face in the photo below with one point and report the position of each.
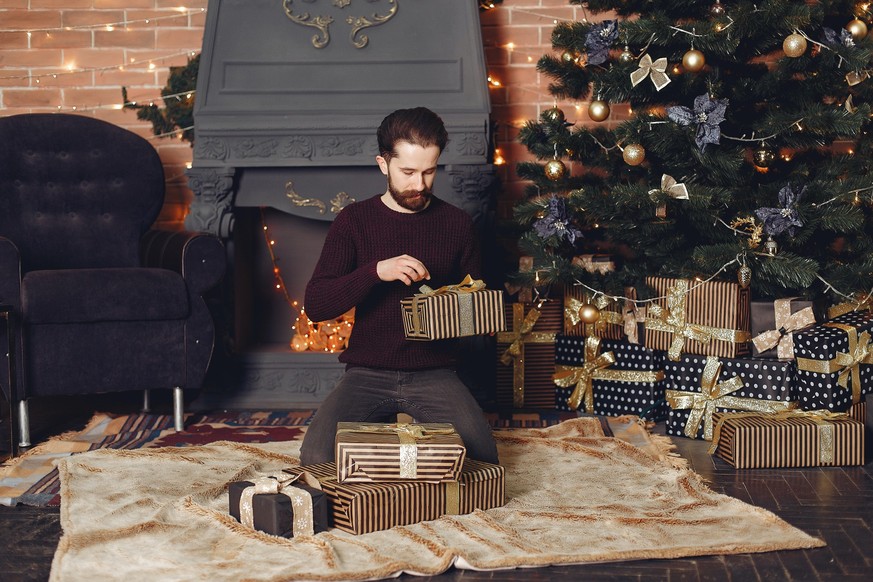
(411, 174)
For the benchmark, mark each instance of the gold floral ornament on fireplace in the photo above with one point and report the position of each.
(337, 203)
(322, 22)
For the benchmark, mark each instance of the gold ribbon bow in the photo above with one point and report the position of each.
(631, 315)
(522, 331)
(712, 395)
(301, 500)
(782, 337)
(845, 364)
(468, 285)
(822, 418)
(409, 436)
(465, 302)
(581, 377)
(671, 188)
(654, 70)
(572, 317)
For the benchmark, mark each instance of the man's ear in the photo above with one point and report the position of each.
(383, 164)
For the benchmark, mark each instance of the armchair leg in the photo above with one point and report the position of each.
(178, 409)
(146, 400)
(23, 424)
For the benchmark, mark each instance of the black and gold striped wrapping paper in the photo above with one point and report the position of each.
(448, 315)
(360, 508)
(752, 441)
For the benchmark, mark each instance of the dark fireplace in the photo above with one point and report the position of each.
(289, 95)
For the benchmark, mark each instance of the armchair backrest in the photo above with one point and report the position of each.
(76, 192)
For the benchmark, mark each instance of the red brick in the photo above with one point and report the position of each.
(125, 38)
(60, 4)
(180, 38)
(31, 97)
(190, 4)
(89, 18)
(62, 78)
(61, 39)
(123, 4)
(87, 97)
(95, 58)
(30, 58)
(157, 18)
(13, 40)
(31, 19)
(14, 3)
(117, 78)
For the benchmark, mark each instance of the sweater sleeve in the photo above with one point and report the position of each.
(338, 283)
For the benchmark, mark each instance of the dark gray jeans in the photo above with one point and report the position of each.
(372, 395)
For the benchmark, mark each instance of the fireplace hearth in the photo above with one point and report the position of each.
(289, 96)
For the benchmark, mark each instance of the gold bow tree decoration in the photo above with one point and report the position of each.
(860, 352)
(669, 187)
(582, 376)
(714, 394)
(656, 71)
(786, 323)
(573, 317)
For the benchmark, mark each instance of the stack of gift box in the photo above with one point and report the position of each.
(384, 475)
(770, 383)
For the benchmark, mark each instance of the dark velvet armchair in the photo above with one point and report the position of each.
(99, 301)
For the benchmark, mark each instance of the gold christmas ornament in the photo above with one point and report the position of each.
(598, 110)
(693, 60)
(744, 276)
(555, 170)
(794, 45)
(568, 56)
(588, 313)
(858, 29)
(626, 56)
(634, 154)
(770, 247)
(763, 158)
(717, 9)
(555, 114)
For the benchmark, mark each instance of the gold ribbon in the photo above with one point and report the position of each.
(632, 314)
(465, 302)
(654, 70)
(581, 377)
(822, 418)
(409, 435)
(671, 188)
(782, 338)
(453, 497)
(712, 395)
(673, 321)
(572, 317)
(301, 500)
(862, 304)
(522, 326)
(845, 364)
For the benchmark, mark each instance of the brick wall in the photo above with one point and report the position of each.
(75, 55)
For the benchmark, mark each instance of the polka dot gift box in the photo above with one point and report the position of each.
(835, 362)
(697, 386)
(621, 378)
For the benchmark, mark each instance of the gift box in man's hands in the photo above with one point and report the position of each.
(465, 309)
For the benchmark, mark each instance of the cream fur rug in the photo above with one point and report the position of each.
(574, 495)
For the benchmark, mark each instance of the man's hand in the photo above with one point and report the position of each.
(403, 268)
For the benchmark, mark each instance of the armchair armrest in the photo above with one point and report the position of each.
(10, 273)
(198, 257)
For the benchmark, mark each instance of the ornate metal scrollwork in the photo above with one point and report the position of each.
(322, 23)
(298, 200)
(340, 201)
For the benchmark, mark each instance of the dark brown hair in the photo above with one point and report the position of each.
(419, 126)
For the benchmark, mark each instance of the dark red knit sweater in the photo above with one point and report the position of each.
(364, 233)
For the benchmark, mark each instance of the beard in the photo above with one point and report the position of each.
(413, 200)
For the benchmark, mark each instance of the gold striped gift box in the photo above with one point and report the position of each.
(707, 318)
(360, 508)
(748, 440)
(444, 315)
(367, 452)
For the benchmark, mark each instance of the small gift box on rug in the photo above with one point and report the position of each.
(751, 440)
(458, 310)
(708, 318)
(367, 452)
(281, 505)
(360, 508)
(607, 377)
(620, 318)
(698, 386)
(834, 362)
(774, 324)
(526, 355)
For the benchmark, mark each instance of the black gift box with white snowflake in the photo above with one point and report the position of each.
(835, 362)
(761, 385)
(634, 383)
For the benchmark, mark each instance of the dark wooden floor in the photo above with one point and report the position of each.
(835, 504)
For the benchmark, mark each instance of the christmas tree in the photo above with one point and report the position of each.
(746, 153)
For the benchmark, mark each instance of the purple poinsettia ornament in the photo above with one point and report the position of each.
(557, 223)
(708, 113)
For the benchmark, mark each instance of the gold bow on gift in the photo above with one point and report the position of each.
(671, 188)
(782, 337)
(847, 365)
(654, 70)
(631, 315)
(572, 317)
(301, 500)
(465, 302)
(468, 285)
(581, 377)
(712, 395)
(409, 436)
(522, 332)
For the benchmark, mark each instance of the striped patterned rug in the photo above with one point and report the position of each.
(32, 479)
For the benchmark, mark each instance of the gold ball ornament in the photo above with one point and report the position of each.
(598, 110)
(634, 154)
(794, 45)
(693, 60)
(589, 313)
(858, 29)
(555, 170)
(626, 56)
(717, 9)
(555, 114)
(770, 247)
(568, 56)
(763, 157)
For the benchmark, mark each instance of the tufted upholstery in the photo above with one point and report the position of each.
(101, 302)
